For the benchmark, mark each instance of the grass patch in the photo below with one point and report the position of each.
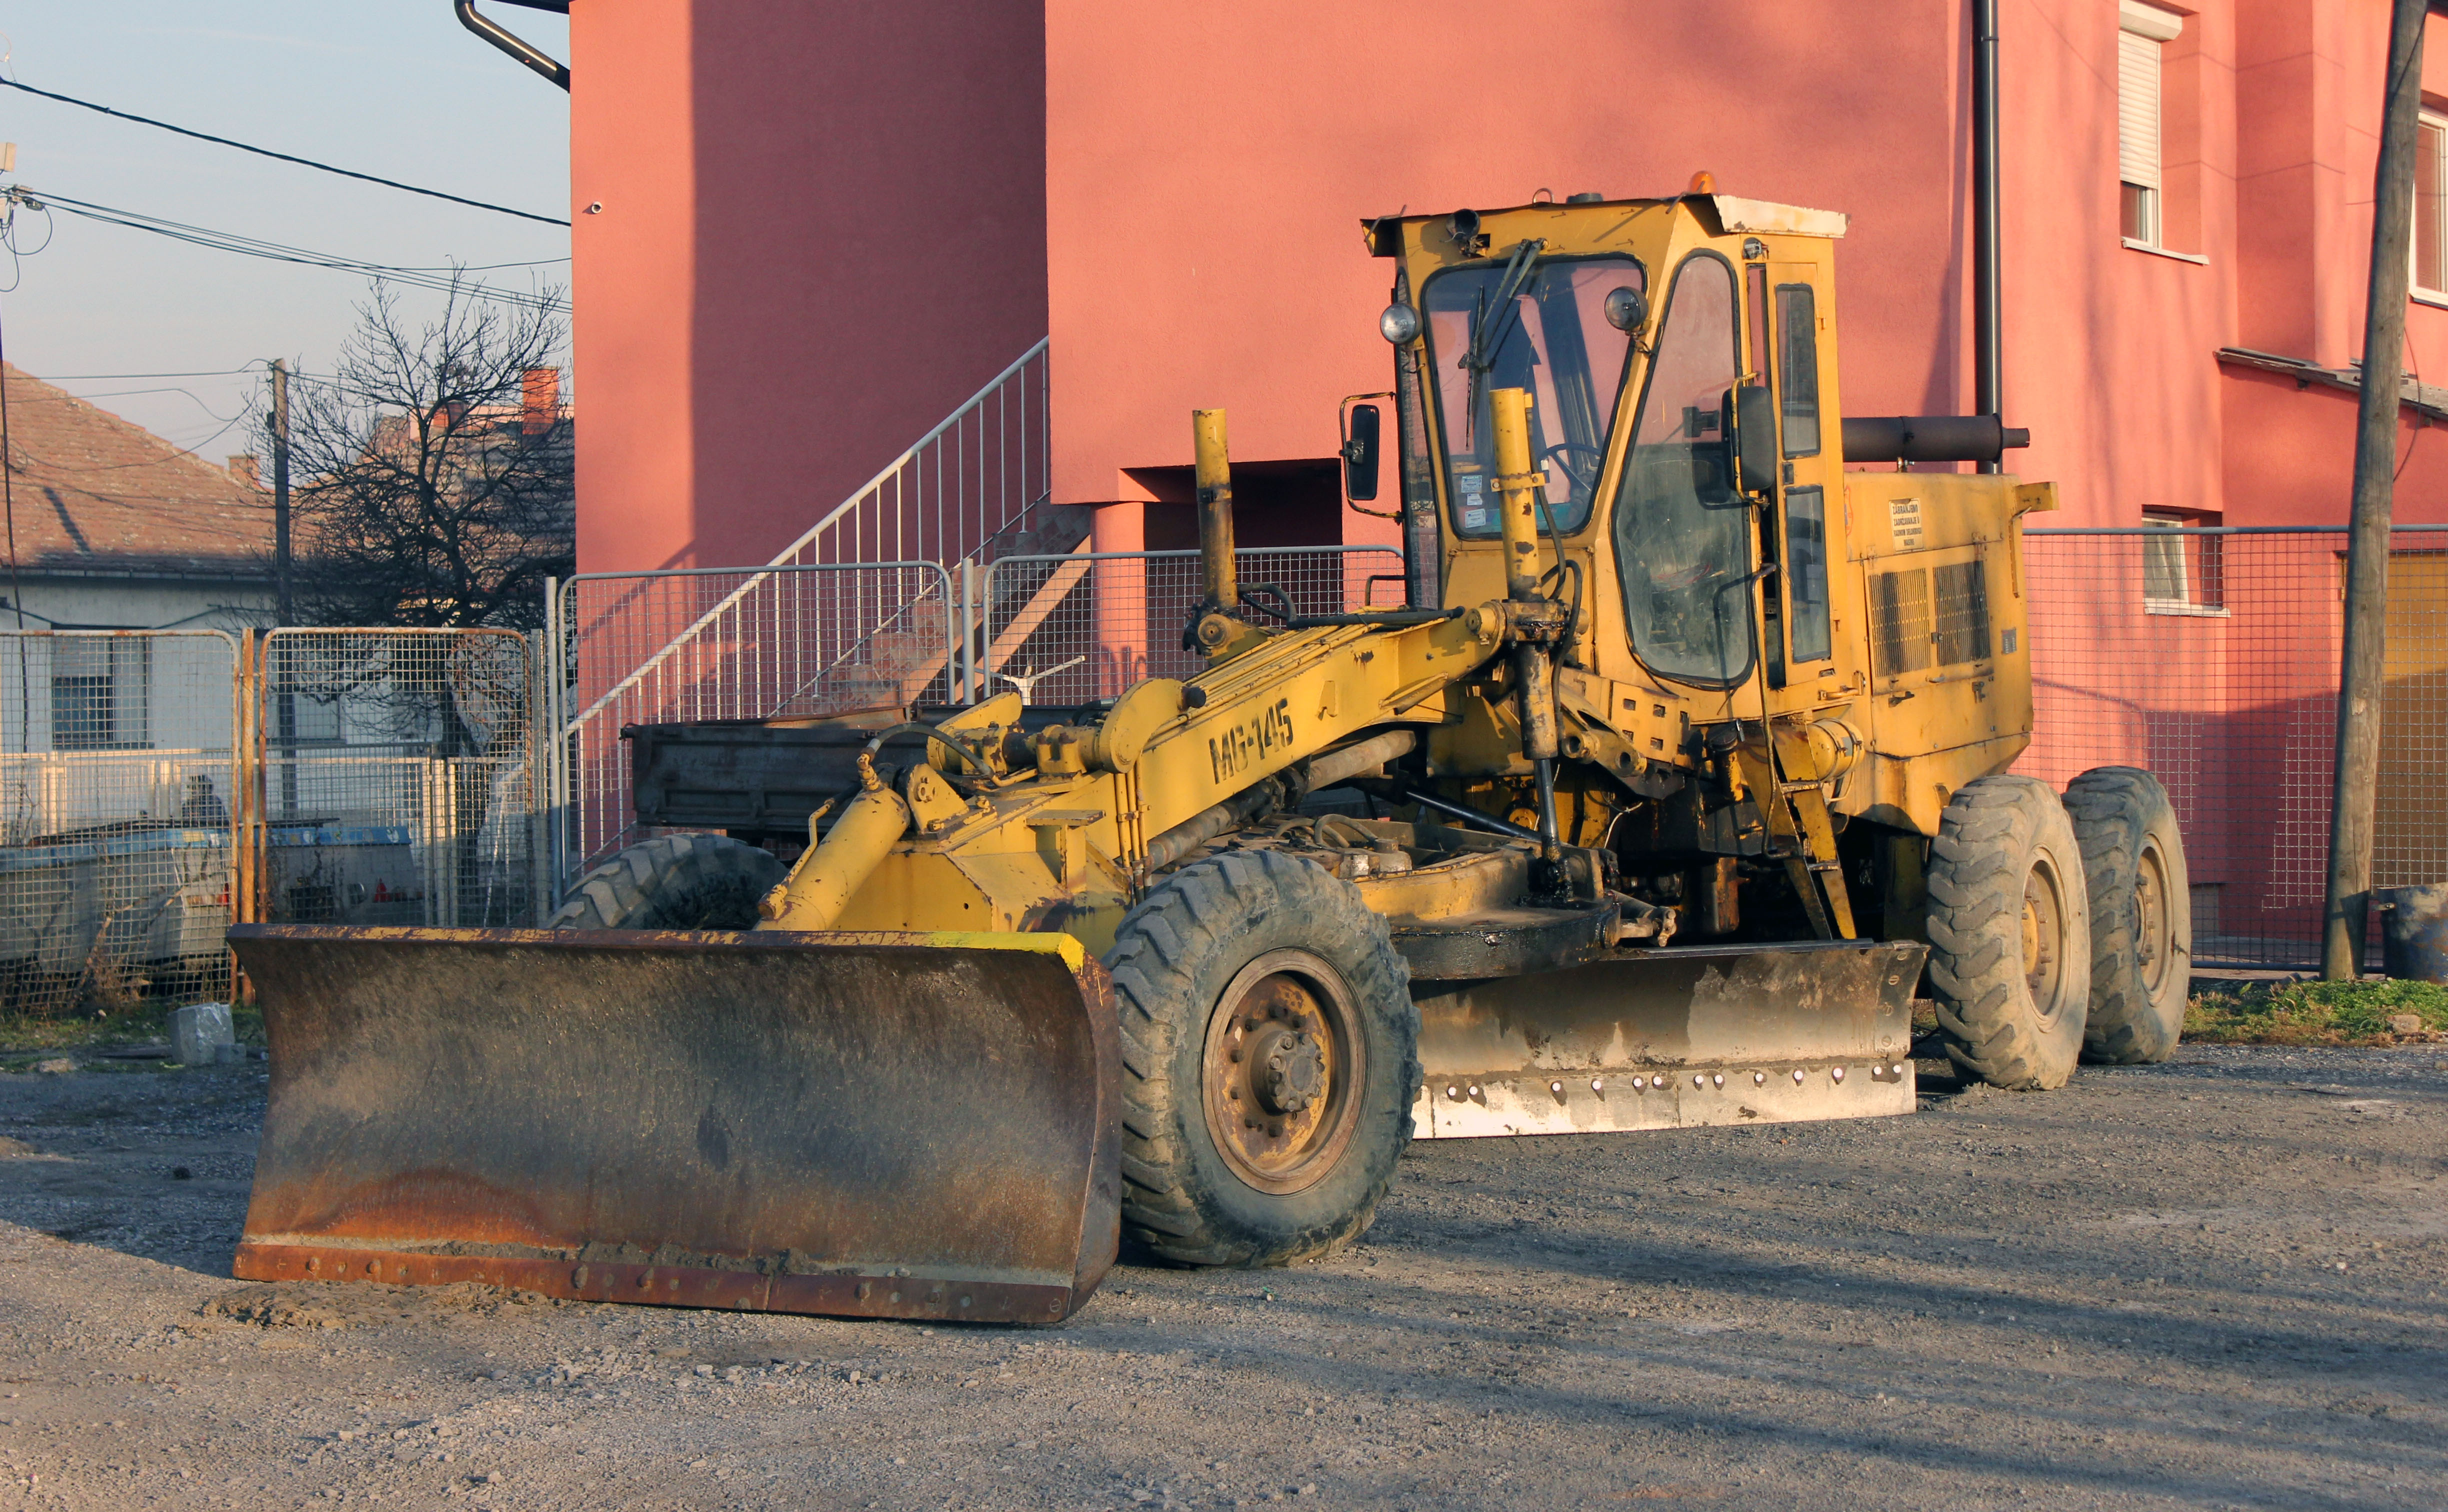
(27, 1037)
(2330, 1013)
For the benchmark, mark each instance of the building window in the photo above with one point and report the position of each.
(97, 692)
(81, 710)
(2182, 572)
(2143, 34)
(2431, 205)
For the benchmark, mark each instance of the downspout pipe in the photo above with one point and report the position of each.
(1988, 354)
(518, 48)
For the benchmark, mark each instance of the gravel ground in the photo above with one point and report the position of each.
(2213, 1283)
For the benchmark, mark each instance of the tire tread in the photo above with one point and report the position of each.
(1192, 918)
(1978, 863)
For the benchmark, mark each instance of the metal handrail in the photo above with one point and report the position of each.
(672, 648)
(909, 453)
(782, 560)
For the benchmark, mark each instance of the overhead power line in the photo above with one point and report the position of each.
(445, 279)
(84, 377)
(267, 152)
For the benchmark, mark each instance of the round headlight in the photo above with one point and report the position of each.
(1399, 324)
(1626, 308)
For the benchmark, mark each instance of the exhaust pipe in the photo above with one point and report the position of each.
(1930, 439)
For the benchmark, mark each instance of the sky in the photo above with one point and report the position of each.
(392, 87)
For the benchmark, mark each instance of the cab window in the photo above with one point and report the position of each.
(1681, 526)
(1797, 369)
(1541, 328)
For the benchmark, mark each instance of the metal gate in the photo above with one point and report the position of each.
(728, 643)
(393, 779)
(117, 863)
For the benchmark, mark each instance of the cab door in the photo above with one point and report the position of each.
(1791, 349)
(1682, 523)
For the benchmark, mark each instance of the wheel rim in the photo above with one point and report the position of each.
(1281, 1071)
(2044, 938)
(2154, 932)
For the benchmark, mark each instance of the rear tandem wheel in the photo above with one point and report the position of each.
(1270, 1063)
(2141, 914)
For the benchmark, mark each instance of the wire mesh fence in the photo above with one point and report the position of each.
(731, 644)
(2211, 656)
(397, 778)
(116, 861)
(2207, 655)
(1075, 628)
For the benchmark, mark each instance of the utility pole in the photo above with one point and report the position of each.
(280, 484)
(285, 697)
(2359, 679)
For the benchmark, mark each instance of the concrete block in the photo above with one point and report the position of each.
(198, 1031)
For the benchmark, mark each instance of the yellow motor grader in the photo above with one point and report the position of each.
(1685, 769)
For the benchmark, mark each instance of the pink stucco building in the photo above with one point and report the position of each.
(807, 233)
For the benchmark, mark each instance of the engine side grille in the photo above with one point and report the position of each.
(1963, 630)
(1900, 620)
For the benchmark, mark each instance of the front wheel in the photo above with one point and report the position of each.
(1270, 1058)
(2009, 933)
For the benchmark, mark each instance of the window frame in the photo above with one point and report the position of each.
(1741, 672)
(2198, 561)
(1782, 344)
(2435, 125)
(2141, 214)
(1434, 396)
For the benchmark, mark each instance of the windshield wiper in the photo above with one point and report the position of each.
(1487, 334)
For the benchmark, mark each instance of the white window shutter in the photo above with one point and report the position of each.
(2137, 109)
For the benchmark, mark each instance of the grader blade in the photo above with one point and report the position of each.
(1672, 1039)
(900, 1125)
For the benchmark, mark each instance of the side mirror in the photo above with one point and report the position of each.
(1362, 424)
(1755, 437)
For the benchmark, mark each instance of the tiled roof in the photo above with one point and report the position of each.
(95, 494)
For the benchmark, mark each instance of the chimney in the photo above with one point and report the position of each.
(539, 400)
(243, 470)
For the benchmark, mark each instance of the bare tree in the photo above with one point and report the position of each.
(435, 484)
(434, 488)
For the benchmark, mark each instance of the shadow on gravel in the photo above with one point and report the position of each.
(151, 1163)
(1670, 1385)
